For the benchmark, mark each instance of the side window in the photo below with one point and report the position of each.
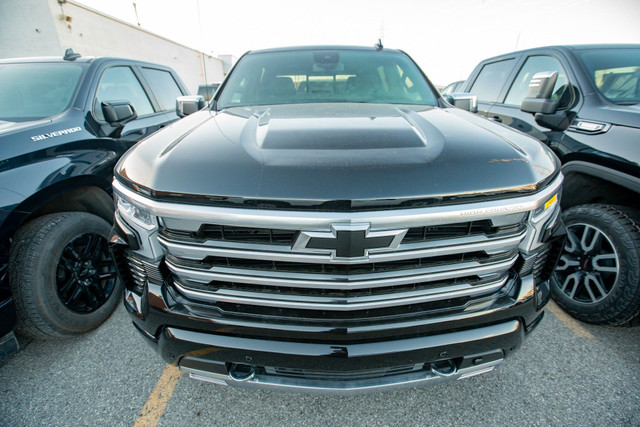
(119, 83)
(533, 65)
(164, 87)
(491, 79)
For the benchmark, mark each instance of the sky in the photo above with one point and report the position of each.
(446, 38)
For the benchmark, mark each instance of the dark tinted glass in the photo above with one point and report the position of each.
(164, 87)
(325, 76)
(120, 84)
(34, 91)
(615, 73)
(491, 80)
(533, 65)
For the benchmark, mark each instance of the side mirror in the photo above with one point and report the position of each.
(464, 101)
(118, 113)
(186, 105)
(538, 99)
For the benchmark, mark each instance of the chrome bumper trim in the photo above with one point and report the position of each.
(276, 383)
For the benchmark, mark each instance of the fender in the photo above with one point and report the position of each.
(614, 176)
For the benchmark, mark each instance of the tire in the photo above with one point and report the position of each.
(63, 281)
(597, 279)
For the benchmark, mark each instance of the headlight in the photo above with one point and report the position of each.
(135, 214)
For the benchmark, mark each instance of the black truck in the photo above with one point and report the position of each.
(64, 123)
(330, 224)
(590, 118)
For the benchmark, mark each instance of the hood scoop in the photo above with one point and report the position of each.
(397, 137)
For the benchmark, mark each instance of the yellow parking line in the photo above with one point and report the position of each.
(157, 402)
(571, 323)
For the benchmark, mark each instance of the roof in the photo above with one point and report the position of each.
(578, 47)
(80, 60)
(322, 47)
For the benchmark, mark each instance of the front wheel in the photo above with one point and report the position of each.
(62, 278)
(597, 277)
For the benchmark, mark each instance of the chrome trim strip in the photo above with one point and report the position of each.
(427, 275)
(342, 277)
(375, 385)
(200, 252)
(296, 220)
(340, 304)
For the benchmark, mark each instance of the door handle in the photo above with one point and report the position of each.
(496, 119)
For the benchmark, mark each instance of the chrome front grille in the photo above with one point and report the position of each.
(239, 268)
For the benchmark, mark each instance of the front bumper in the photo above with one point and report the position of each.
(261, 369)
(332, 361)
(269, 343)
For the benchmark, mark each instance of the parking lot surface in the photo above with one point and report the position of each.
(566, 373)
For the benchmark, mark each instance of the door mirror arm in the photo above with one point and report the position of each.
(558, 121)
(118, 114)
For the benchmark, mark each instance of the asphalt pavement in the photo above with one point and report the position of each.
(566, 373)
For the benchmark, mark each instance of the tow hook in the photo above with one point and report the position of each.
(444, 368)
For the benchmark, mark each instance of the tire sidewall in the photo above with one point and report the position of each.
(45, 286)
(604, 310)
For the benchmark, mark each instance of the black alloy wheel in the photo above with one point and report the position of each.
(62, 278)
(86, 276)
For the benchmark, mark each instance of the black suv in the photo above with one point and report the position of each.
(591, 119)
(64, 123)
(331, 224)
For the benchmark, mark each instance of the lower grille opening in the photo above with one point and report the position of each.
(363, 374)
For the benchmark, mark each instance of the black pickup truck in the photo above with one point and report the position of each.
(64, 123)
(330, 224)
(592, 122)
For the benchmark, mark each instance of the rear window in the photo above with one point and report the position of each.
(615, 73)
(325, 76)
(37, 90)
(164, 87)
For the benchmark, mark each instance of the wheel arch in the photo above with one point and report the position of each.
(87, 193)
(587, 183)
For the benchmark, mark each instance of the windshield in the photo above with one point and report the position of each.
(616, 73)
(37, 90)
(310, 76)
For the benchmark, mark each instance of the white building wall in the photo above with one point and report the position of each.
(92, 33)
(27, 29)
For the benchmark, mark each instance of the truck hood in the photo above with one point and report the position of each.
(329, 152)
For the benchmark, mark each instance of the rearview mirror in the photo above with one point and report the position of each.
(118, 113)
(186, 105)
(538, 99)
(464, 101)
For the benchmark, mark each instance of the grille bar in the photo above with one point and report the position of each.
(340, 304)
(409, 251)
(428, 274)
